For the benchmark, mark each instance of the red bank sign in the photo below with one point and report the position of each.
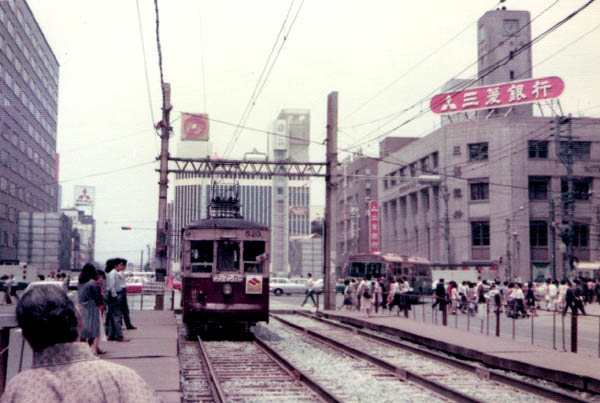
(374, 226)
(498, 95)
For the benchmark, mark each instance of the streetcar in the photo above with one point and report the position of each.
(225, 268)
(389, 265)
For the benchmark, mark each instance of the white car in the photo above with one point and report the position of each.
(280, 285)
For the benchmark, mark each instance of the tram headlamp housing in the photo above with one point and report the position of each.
(227, 289)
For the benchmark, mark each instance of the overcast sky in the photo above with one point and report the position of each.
(213, 54)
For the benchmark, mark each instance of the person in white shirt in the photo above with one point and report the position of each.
(113, 295)
(309, 290)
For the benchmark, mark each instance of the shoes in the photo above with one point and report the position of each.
(131, 327)
(121, 339)
(101, 352)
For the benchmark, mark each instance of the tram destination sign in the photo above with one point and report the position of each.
(497, 95)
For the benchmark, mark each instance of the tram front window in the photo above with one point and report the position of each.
(357, 269)
(228, 255)
(252, 250)
(201, 256)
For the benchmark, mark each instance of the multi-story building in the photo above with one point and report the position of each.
(358, 186)
(480, 191)
(28, 112)
(84, 235)
(291, 196)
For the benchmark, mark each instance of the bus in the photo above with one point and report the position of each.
(387, 265)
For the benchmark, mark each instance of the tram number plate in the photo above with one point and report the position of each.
(226, 278)
(253, 234)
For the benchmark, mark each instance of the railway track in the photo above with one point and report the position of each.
(454, 379)
(230, 371)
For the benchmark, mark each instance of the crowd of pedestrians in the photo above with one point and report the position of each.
(519, 300)
(374, 295)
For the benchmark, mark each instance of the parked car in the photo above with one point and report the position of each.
(280, 285)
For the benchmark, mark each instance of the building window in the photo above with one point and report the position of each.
(478, 152)
(538, 149)
(413, 169)
(580, 149)
(457, 193)
(538, 233)
(456, 150)
(582, 188)
(434, 160)
(480, 233)
(538, 187)
(414, 205)
(425, 198)
(581, 234)
(424, 165)
(480, 191)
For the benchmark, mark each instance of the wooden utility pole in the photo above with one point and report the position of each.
(162, 228)
(330, 195)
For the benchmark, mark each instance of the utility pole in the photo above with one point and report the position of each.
(568, 203)
(552, 238)
(508, 257)
(142, 260)
(446, 196)
(329, 235)
(162, 229)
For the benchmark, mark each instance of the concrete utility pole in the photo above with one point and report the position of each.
(329, 235)
(162, 227)
(552, 238)
(508, 256)
(568, 203)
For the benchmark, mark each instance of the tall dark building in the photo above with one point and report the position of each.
(28, 113)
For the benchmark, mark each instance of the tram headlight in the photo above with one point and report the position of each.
(227, 289)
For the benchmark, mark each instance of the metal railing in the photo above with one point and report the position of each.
(570, 331)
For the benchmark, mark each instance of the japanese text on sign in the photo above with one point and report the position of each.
(498, 95)
(374, 226)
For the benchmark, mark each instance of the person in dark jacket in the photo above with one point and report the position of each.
(440, 295)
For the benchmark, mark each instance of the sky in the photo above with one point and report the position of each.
(380, 56)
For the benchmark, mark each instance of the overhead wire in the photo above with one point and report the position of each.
(262, 77)
(469, 82)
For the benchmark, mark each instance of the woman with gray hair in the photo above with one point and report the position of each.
(64, 370)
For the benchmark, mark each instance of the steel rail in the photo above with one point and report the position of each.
(213, 381)
(400, 373)
(294, 372)
(486, 373)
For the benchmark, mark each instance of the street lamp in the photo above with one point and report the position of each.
(514, 234)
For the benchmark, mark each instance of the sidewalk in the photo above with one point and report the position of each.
(152, 352)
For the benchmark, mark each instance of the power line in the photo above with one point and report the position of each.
(264, 75)
(489, 70)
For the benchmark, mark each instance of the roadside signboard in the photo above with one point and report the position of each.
(497, 95)
(374, 226)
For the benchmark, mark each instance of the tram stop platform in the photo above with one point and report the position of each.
(572, 369)
(151, 351)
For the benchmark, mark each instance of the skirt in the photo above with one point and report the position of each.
(91, 321)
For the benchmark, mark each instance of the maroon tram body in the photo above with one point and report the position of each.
(225, 274)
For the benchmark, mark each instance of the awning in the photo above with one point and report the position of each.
(588, 266)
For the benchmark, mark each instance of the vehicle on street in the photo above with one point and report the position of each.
(71, 293)
(134, 284)
(281, 285)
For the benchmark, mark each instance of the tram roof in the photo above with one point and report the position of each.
(226, 223)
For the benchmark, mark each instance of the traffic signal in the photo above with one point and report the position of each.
(126, 228)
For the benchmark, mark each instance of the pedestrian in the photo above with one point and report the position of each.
(569, 298)
(89, 300)
(8, 289)
(454, 297)
(309, 290)
(347, 303)
(562, 295)
(579, 297)
(113, 300)
(367, 291)
(395, 295)
(597, 289)
(354, 290)
(64, 370)
(377, 294)
(122, 264)
(440, 295)
(530, 299)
